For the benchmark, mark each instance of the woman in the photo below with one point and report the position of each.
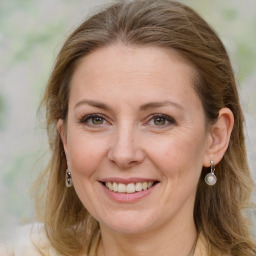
(146, 131)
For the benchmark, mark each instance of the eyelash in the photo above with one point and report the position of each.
(164, 117)
(170, 120)
(85, 119)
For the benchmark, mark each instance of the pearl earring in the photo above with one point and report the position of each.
(69, 182)
(210, 178)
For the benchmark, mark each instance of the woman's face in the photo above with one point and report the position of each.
(136, 138)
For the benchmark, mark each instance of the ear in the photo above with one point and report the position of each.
(218, 137)
(63, 135)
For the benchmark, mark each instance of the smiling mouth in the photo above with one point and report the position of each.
(129, 188)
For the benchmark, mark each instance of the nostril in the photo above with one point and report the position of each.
(126, 159)
(124, 151)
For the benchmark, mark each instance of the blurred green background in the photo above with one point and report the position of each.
(32, 32)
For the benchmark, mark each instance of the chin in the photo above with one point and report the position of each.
(124, 223)
(128, 229)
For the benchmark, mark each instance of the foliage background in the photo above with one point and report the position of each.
(31, 33)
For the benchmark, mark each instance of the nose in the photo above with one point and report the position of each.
(125, 150)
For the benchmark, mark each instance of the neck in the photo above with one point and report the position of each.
(176, 238)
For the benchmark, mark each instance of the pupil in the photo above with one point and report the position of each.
(159, 121)
(97, 120)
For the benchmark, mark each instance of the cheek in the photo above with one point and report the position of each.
(85, 154)
(178, 155)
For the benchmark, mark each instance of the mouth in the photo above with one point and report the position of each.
(129, 188)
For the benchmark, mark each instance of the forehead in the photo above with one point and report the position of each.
(127, 59)
(125, 72)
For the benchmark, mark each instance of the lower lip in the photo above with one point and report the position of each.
(128, 197)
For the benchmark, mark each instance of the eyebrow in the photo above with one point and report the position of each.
(144, 107)
(93, 104)
(160, 104)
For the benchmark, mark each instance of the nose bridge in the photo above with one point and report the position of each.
(125, 150)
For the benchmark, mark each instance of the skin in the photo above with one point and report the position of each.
(127, 140)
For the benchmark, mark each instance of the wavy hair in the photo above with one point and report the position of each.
(219, 211)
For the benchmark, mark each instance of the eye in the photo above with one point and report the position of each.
(97, 120)
(94, 120)
(161, 120)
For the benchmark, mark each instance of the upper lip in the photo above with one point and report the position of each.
(127, 180)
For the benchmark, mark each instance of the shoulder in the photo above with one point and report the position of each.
(28, 240)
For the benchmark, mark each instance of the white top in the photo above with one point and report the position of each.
(31, 240)
(28, 240)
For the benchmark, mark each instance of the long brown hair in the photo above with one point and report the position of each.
(219, 210)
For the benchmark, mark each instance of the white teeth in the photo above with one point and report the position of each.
(129, 188)
(121, 188)
(150, 184)
(115, 187)
(144, 185)
(109, 185)
(138, 186)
